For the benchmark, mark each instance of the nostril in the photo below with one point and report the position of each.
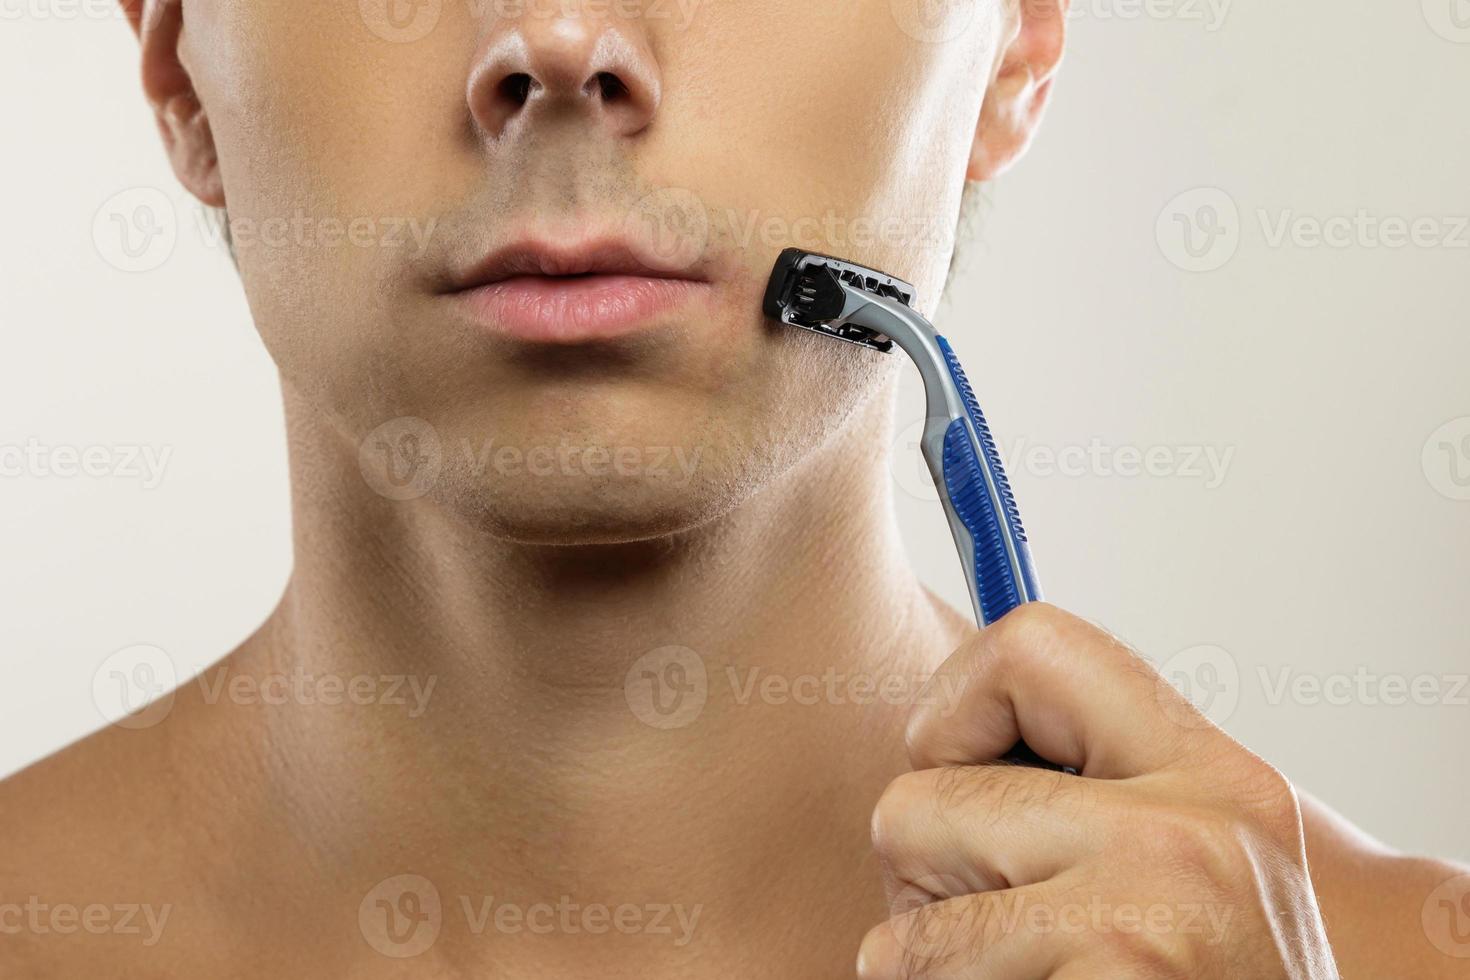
(516, 88)
(570, 71)
(609, 86)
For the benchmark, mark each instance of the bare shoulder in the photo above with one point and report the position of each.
(114, 785)
(106, 847)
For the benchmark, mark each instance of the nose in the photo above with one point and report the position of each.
(579, 64)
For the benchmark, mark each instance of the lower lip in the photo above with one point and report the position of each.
(577, 309)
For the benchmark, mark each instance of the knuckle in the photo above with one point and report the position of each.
(1150, 956)
(1037, 630)
(990, 793)
(1207, 845)
(1023, 632)
(960, 788)
(905, 801)
(1270, 798)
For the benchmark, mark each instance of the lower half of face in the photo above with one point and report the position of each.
(519, 266)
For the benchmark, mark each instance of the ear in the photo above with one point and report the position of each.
(1018, 94)
(159, 25)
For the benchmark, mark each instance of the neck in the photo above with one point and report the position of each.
(614, 723)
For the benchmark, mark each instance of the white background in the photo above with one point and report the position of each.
(1334, 546)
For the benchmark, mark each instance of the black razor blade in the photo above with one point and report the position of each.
(806, 290)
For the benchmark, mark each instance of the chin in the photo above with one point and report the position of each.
(620, 456)
(597, 486)
(572, 510)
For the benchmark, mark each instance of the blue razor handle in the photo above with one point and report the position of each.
(965, 464)
(863, 306)
(990, 535)
(963, 460)
(986, 521)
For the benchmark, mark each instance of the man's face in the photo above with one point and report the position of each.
(374, 153)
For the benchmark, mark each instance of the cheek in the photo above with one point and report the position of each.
(336, 147)
(309, 103)
(844, 125)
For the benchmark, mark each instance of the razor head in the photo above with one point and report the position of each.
(806, 290)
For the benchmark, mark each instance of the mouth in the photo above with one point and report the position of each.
(546, 293)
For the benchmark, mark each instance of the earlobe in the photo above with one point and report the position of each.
(167, 85)
(1017, 97)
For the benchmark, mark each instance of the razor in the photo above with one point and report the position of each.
(863, 306)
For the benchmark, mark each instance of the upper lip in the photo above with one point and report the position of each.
(605, 256)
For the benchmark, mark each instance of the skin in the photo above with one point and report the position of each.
(273, 833)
